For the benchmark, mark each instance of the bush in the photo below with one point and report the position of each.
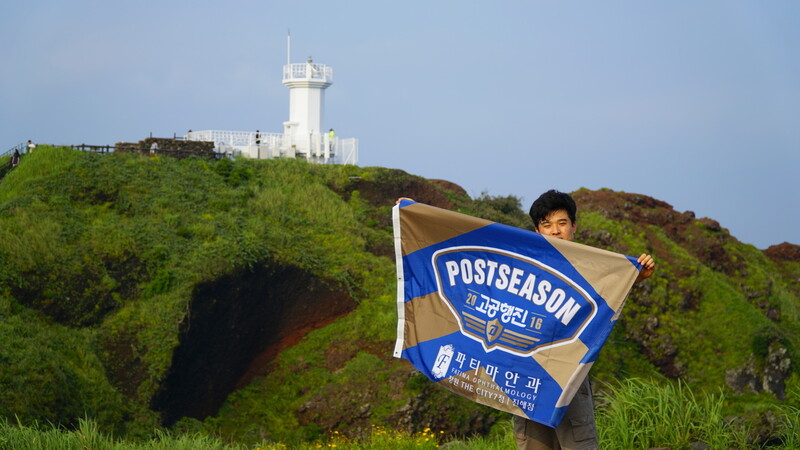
(51, 375)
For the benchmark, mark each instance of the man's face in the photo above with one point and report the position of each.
(558, 225)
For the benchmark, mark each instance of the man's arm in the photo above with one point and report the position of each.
(648, 267)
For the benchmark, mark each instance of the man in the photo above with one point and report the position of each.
(553, 215)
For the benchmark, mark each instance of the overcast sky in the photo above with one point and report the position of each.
(693, 103)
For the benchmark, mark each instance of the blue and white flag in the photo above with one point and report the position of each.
(503, 316)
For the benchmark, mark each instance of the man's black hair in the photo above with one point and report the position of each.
(550, 202)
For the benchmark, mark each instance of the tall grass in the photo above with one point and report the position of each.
(633, 414)
(790, 430)
(641, 414)
(88, 436)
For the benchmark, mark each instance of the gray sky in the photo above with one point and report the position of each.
(693, 103)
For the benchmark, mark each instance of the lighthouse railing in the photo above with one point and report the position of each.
(307, 71)
(347, 151)
(233, 138)
(316, 147)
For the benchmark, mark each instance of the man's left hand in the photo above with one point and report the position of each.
(648, 267)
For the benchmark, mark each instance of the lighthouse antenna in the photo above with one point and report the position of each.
(288, 46)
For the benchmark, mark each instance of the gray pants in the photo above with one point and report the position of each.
(576, 431)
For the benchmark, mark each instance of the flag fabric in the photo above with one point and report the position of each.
(503, 316)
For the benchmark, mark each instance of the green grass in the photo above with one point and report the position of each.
(632, 414)
(88, 436)
(100, 256)
(639, 414)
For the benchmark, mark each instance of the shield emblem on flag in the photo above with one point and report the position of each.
(493, 330)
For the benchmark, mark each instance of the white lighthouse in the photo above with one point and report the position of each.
(307, 83)
(304, 135)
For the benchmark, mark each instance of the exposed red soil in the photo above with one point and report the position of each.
(235, 327)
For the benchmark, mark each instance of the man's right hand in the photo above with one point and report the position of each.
(401, 199)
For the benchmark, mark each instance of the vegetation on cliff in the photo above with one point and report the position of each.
(254, 300)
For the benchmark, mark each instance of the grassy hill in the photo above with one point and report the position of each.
(254, 300)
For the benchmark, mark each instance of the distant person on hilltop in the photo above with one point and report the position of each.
(15, 158)
(153, 147)
(31, 146)
(331, 137)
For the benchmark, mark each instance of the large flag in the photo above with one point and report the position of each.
(503, 316)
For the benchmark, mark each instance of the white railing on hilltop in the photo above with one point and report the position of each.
(348, 151)
(233, 138)
(21, 147)
(318, 148)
